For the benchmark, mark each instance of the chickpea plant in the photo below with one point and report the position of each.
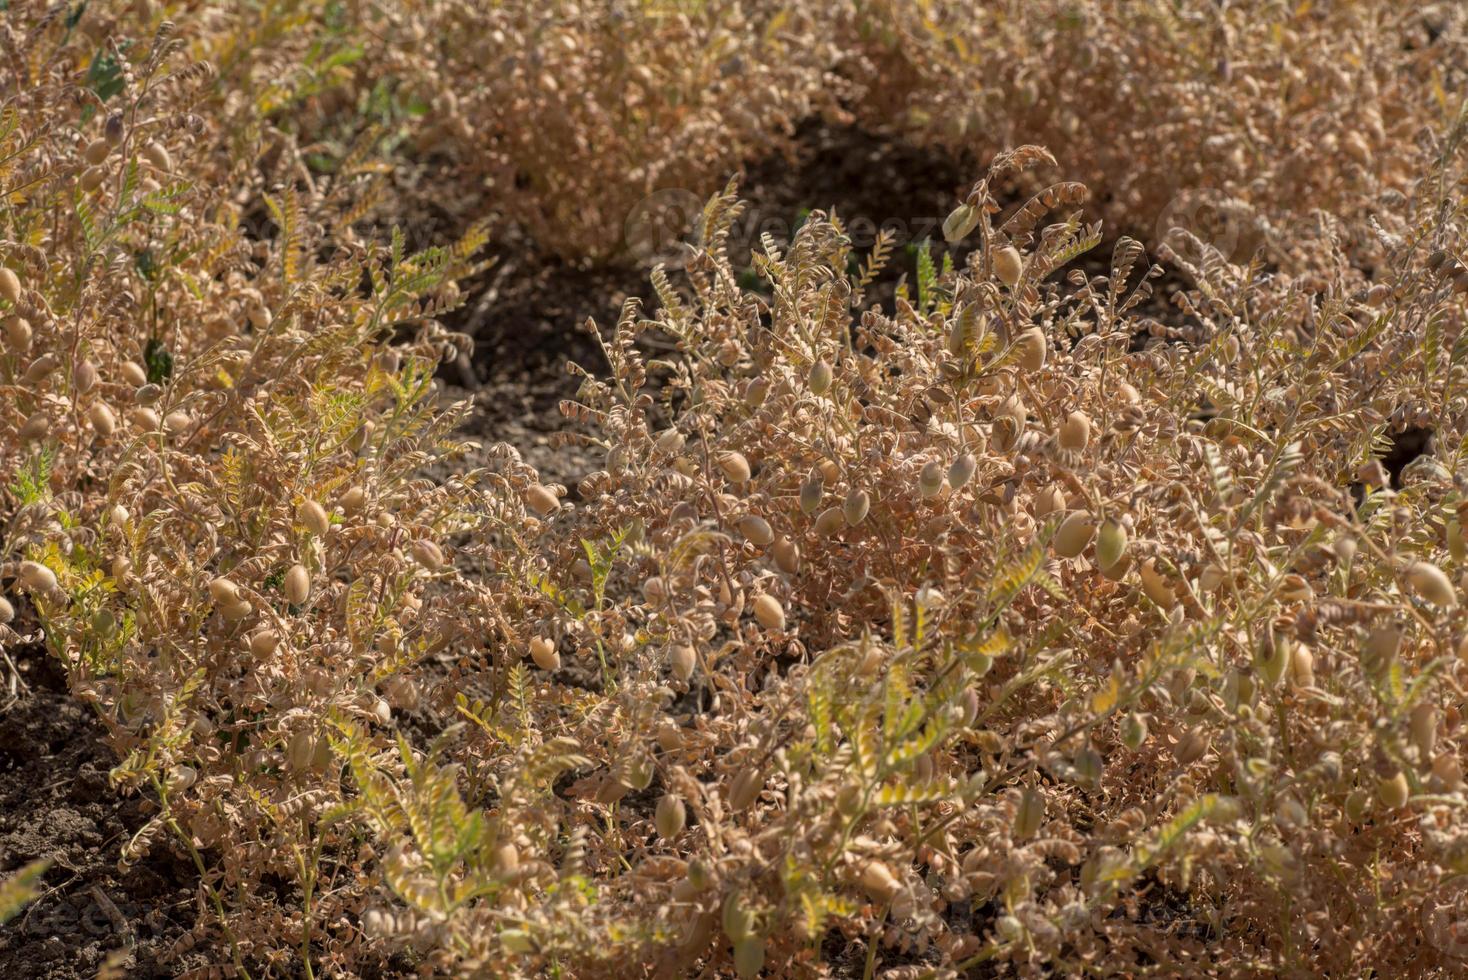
(1077, 602)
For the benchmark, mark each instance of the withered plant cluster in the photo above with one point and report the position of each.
(1238, 121)
(1032, 623)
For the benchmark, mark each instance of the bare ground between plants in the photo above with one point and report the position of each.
(527, 315)
(55, 802)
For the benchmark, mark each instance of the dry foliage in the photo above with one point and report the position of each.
(1241, 122)
(1030, 625)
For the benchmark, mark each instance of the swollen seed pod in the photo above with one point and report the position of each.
(960, 221)
(1457, 543)
(1074, 534)
(353, 500)
(1429, 582)
(237, 611)
(811, 492)
(1133, 731)
(1075, 432)
(428, 554)
(543, 652)
(745, 788)
(735, 467)
(1190, 748)
(1275, 654)
(133, 374)
(147, 394)
(736, 917)
(1290, 812)
(96, 151)
(542, 499)
(1423, 724)
(1393, 790)
(671, 816)
(144, 418)
(177, 422)
(1048, 501)
(757, 530)
(300, 751)
(35, 427)
(768, 612)
(963, 331)
(756, 392)
(157, 157)
(1031, 811)
(820, 378)
(223, 591)
(669, 441)
(969, 706)
(92, 178)
(297, 585)
(1155, 585)
(854, 509)
(1009, 423)
(1357, 803)
(506, 859)
(1009, 265)
(1111, 543)
(313, 517)
(7, 611)
(787, 556)
(829, 522)
(683, 662)
(1380, 649)
(264, 643)
(961, 470)
(37, 577)
(1032, 349)
(360, 438)
(9, 285)
(40, 369)
(878, 881)
(1447, 769)
(1302, 666)
(930, 480)
(18, 333)
(749, 957)
(102, 419)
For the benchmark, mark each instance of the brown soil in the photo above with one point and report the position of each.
(56, 803)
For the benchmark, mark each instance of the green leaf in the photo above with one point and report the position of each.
(104, 77)
(158, 361)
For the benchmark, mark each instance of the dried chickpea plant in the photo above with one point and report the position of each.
(1032, 623)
